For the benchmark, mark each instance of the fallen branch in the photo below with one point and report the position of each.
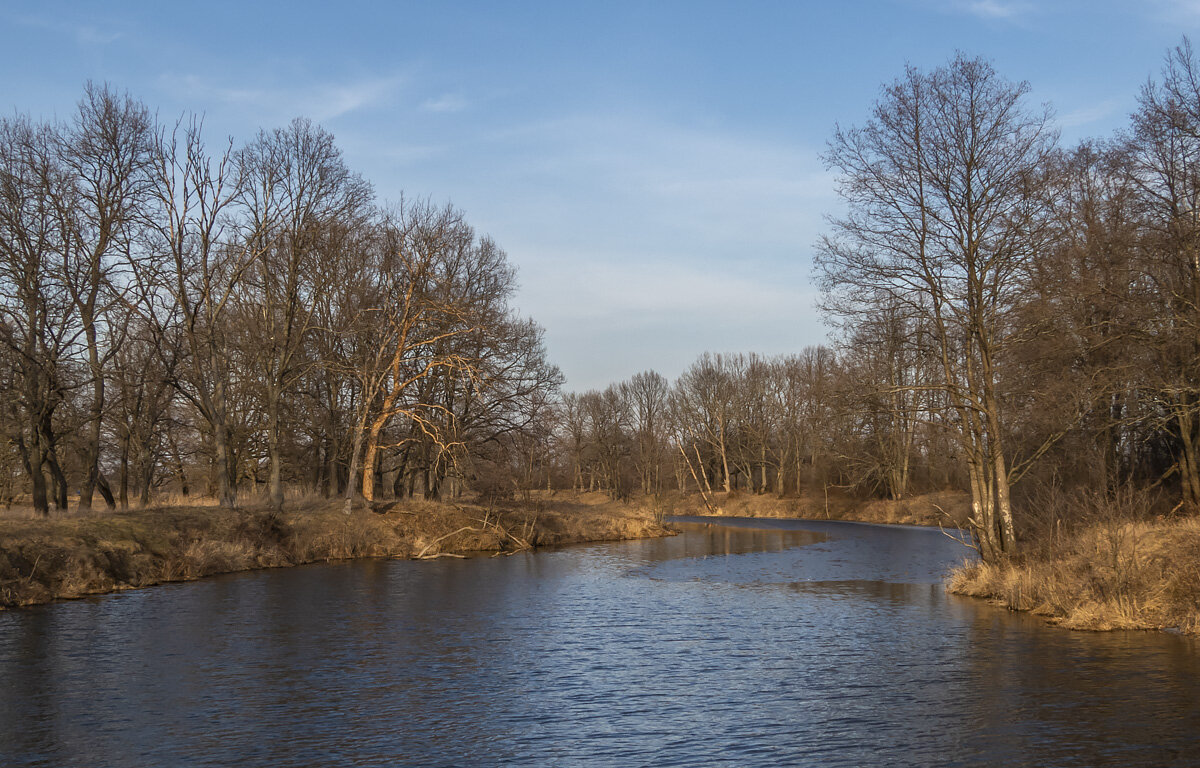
(961, 540)
(699, 487)
(33, 570)
(421, 554)
(501, 529)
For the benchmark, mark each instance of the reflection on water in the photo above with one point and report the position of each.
(745, 643)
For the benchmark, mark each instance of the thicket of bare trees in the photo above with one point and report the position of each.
(1010, 314)
(780, 425)
(211, 318)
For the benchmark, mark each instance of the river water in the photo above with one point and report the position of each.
(745, 643)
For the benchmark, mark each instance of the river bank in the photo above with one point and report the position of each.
(948, 509)
(74, 555)
(1114, 574)
(1115, 570)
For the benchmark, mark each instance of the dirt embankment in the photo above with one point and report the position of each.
(75, 555)
(1106, 575)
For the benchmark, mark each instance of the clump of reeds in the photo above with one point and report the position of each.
(1098, 561)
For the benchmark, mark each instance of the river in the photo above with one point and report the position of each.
(744, 643)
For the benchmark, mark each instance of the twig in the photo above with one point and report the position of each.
(33, 570)
(959, 539)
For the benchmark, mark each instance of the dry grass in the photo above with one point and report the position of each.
(1108, 572)
(73, 555)
(947, 508)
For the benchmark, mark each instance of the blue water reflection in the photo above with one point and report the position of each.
(743, 643)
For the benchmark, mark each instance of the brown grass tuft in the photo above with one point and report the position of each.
(1109, 572)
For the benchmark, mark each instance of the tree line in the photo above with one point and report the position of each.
(1009, 313)
(214, 318)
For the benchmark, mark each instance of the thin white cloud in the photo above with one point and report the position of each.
(335, 100)
(653, 183)
(609, 319)
(1087, 115)
(89, 35)
(1178, 11)
(273, 103)
(673, 239)
(446, 103)
(641, 239)
(992, 9)
(84, 34)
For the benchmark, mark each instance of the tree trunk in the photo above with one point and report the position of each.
(1189, 462)
(275, 483)
(35, 457)
(123, 474)
(91, 452)
(226, 491)
(371, 459)
(355, 451)
(59, 480)
(725, 463)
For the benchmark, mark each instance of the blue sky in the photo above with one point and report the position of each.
(652, 168)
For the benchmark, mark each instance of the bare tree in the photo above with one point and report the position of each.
(705, 402)
(37, 320)
(409, 313)
(201, 265)
(648, 394)
(1164, 154)
(107, 152)
(943, 219)
(295, 190)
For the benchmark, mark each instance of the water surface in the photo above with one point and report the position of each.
(742, 643)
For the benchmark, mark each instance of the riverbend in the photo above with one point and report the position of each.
(739, 642)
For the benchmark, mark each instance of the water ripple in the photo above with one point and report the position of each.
(760, 643)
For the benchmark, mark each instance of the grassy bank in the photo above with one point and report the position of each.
(1111, 574)
(946, 508)
(74, 555)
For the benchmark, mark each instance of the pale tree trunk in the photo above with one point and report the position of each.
(355, 452)
(982, 510)
(1008, 536)
(725, 460)
(368, 469)
(372, 456)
